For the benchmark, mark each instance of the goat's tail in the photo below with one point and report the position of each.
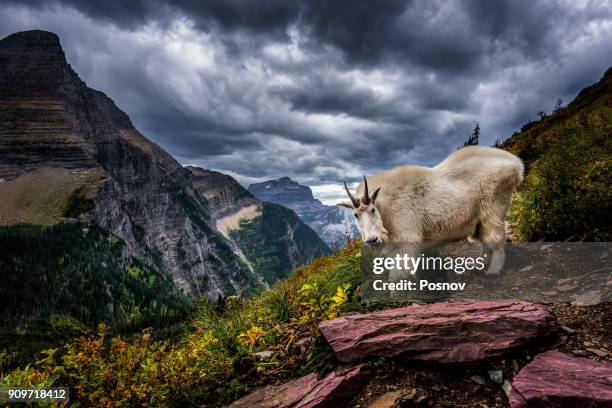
(518, 170)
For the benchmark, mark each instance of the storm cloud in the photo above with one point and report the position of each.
(325, 91)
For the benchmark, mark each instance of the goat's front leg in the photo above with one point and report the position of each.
(412, 251)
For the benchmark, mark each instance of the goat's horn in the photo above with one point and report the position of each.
(354, 200)
(366, 196)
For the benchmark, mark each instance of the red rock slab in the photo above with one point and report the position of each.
(335, 390)
(555, 379)
(440, 332)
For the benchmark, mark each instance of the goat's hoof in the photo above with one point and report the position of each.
(493, 272)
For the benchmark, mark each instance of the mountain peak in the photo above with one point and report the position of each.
(63, 141)
(330, 222)
(35, 48)
(36, 38)
(281, 191)
(33, 63)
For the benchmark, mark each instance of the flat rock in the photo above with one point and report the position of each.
(496, 376)
(507, 387)
(440, 332)
(387, 400)
(477, 379)
(263, 355)
(567, 288)
(334, 390)
(590, 298)
(555, 379)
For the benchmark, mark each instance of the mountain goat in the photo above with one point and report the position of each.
(466, 196)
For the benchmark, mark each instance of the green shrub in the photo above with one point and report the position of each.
(77, 204)
(567, 194)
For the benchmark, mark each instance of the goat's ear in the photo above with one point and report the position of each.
(375, 194)
(346, 205)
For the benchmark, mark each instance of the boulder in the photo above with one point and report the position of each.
(335, 389)
(555, 379)
(440, 332)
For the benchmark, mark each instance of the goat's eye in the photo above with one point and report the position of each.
(356, 215)
(373, 210)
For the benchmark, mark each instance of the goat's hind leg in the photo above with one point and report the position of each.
(475, 238)
(498, 257)
(494, 208)
(493, 242)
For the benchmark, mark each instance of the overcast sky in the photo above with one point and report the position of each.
(325, 91)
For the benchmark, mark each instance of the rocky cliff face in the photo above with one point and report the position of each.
(330, 222)
(269, 238)
(67, 150)
(225, 195)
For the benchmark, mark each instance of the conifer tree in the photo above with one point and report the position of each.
(473, 139)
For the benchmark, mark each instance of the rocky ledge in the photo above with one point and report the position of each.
(555, 379)
(442, 332)
(334, 390)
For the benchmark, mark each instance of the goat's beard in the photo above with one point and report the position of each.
(384, 235)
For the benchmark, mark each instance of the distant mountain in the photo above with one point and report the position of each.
(68, 152)
(332, 223)
(270, 238)
(115, 228)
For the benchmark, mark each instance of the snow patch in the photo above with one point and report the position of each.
(232, 222)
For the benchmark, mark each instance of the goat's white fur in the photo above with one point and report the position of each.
(466, 196)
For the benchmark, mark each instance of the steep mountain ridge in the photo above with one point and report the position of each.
(566, 194)
(270, 238)
(591, 107)
(332, 223)
(224, 194)
(53, 124)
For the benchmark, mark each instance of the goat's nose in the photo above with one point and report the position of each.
(372, 240)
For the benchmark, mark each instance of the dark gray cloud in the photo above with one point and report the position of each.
(325, 90)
